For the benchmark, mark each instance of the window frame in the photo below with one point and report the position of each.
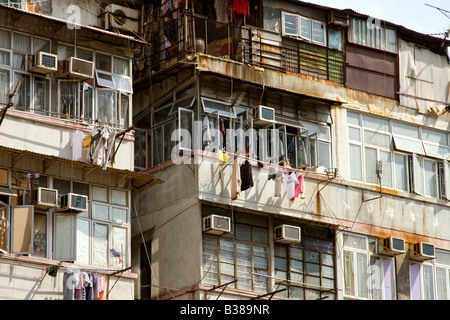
(400, 146)
(361, 27)
(299, 32)
(368, 253)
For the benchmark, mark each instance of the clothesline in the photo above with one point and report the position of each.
(286, 167)
(88, 269)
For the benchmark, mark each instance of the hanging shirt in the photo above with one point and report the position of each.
(68, 285)
(235, 180)
(77, 144)
(279, 176)
(246, 176)
(290, 182)
(221, 11)
(299, 188)
(206, 131)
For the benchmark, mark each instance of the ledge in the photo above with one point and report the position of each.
(44, 263)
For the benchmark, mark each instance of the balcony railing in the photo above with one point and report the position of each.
(171, 42)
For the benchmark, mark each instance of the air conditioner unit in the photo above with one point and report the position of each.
(45, 198)
(121, 18)
(263, 115)
(75, 68)
(422, 251)
(216, 225)
(392, 246)
(43, 62)
(73, 203)
(287, 234)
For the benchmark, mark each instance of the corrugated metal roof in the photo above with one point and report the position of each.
(140, 181)
(90, 28)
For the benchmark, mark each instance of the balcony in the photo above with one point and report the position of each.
(174, 39)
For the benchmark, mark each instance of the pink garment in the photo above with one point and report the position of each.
(299, 188)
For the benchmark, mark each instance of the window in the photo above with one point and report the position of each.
(374, 36)
(243, 258)
(319, 145)
(106, 103)
(271, 19)
(110, 226)
(33, 95)
(106, 98)
(430, 280)
(307, 29)
(405, 157)
(41, 96)
(335, 39)
(290, 24)
(306, 270)
(141, 149)
(366, 274)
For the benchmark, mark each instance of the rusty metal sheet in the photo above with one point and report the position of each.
(372, 71)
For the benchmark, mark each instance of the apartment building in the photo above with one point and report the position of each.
(66, 155)
(354, 205)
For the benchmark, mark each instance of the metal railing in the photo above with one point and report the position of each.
(171, 42)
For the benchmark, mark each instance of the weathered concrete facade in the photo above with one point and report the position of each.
(66, 133)
(381, 189)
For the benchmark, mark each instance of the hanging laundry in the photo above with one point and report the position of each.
(68, 285)
(246, 176)
(206, 132)
(279, 176)
(299, 188)
(272, 173)
(221, 11)
(236, 181)
(290, 181)
(223, 157)
(240, 7)
(76, 144)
